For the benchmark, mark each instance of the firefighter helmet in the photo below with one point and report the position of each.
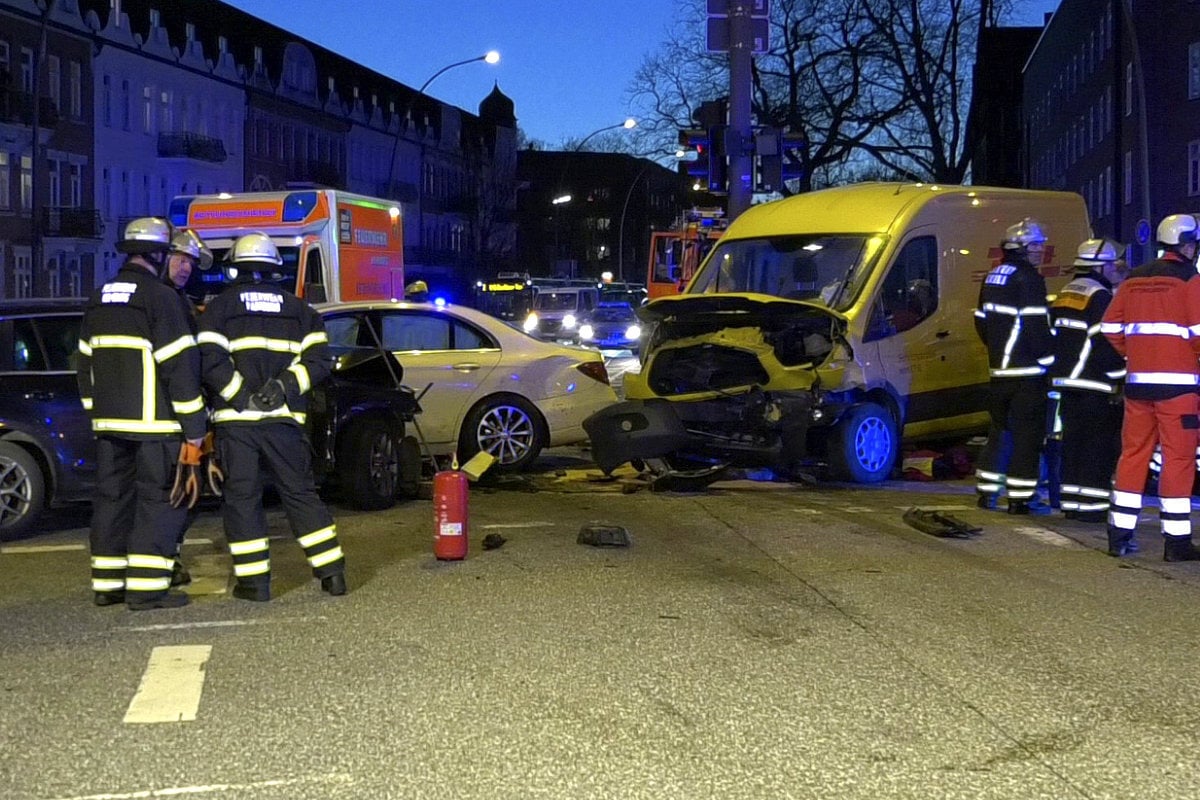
(1178, 229)
(1098, 252)
(1026, 232)
(255, 248)
(145, 235)
(186, 241)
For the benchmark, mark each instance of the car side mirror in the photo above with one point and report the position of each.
(314, 293)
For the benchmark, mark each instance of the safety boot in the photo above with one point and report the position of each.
(1180, 548)
(334, 584)
(986, 501)
(255, 592)
(1027, 507)
(1121, 542)
(108, 598)
(179, 574)
(167, 600)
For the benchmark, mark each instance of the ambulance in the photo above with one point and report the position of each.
(336, 246)
(826, 328)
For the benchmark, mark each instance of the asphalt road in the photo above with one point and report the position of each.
(757, 640)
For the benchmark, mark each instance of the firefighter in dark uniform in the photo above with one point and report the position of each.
(1087, 375)
(257, 338)
(187, 254)
(139, 379)
(1154, 321)
(1014, 323)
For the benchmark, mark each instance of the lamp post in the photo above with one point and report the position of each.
(628, 124)
(621, 225)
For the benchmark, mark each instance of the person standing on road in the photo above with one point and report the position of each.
(1014, 324)
(257, 336)
(139, 379)
(1154, 322)
(1087, 375)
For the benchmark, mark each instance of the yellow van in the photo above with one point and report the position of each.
(824, 328)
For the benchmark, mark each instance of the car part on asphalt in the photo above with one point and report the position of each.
(600, 535)
(941, 525)
(493, 541)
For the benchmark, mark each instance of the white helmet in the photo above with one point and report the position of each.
(1178, 229)
(1026, 232)
(1097, 252)
(145, 235)
(255, 248)
(187, 242)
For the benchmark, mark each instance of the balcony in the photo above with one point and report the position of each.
(191, 145)
(16, 107)
(71, 223)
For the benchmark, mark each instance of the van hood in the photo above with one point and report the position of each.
(716, 311)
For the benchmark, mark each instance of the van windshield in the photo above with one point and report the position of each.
(829, 269)
(556, 301)
(203, 286)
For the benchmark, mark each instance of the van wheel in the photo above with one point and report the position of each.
(864, 444)
(370, 465)
(22, 490)
(508, 427)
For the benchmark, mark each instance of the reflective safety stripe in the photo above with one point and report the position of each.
(319, 337)
(1111, 327)
(87, 403)
(150, 562)
(148, 584)
(133, 426)
(1177, 527)
(316, 537)
(1116, 373)
(233, 387)
(108, 562)
(1169, 378)
(190, 407)
(1067, 322)
(1017, 372)
(107, 584)
(1046, 361)
(1157, 329)
(1175, 505)
(249, 546)
(1022, 482)
(991, 476)
(212, 337)
(1081, 383)
(301, 373)
(173, 349)
(1127, 499)
(253, 568)
(1088, 491)
(1120, 519)
(232, 415)
(1092, 506)
(121, 342)
(328, 557)
(85, 348)
(263, 343)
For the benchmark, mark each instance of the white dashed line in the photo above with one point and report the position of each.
(21, 549)
(171, 686)
(1047, 537)
(212, 788)
(233, 623)
(935, 508)
(519, 525)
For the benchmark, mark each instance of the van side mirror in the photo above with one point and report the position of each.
(676, 273)
(314, 293)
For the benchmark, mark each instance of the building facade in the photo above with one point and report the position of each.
(1112, 111)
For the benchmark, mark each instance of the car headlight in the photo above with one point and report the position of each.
(586, 331)
(569, 321)
(633, 332)
(531, 323)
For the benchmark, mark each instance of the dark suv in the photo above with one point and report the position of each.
(357, 421)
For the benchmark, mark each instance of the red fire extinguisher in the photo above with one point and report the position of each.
(450, 515)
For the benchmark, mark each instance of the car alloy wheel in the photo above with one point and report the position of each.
(22, 489)
(506, 432)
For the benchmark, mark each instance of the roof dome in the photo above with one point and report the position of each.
(498, 108)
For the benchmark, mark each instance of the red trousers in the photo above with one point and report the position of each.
(1174, 425)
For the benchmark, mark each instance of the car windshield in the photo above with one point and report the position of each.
(620, 312)
(556, 301)
(822, 268)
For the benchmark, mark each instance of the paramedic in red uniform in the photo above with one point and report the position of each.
(1154, 321)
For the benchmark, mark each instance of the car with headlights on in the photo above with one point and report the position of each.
(557, 310)
(484, 384)
(611, 326)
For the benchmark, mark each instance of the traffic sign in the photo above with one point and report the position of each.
(758, 8)
(1142, 232)
(718, 34)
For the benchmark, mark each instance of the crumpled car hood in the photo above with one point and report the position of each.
(716, 311)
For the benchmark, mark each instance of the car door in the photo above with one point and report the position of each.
(455, 359)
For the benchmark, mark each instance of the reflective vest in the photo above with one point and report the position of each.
(1083, 358)
(1013, 321)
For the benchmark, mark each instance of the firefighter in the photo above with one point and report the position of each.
(187, 254)
(139, 379)
(1013, 322)
(1086, 378)
(1154, 322)
(264, 344)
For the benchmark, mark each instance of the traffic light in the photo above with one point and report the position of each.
(695, 149)
(718, 161)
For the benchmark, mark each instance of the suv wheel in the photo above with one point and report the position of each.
(22, 490)
(370, 466)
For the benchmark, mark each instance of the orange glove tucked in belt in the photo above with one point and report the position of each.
(187, 476)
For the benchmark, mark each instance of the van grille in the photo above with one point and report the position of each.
(704, 368)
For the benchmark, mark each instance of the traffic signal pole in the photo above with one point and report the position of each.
(741, 160)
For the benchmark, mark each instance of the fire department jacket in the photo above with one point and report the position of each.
(254, 332)
(1083, 358)
(1154, 321)
(1013, 321)
(139, 368)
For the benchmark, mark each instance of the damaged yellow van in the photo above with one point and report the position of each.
(824, 328)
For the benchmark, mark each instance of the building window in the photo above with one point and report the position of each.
(52, 273)
(4, 65)
(74, 286)
(1108, 190)
(126, 196)
(1108, 109)
(22, 275)
(55, 183)
(106, 193)
(1194, 71)
(26, 182)
(1128, 177)
(76, 90)
(166, 123)
(1193, 168)
(5, 188)
(54, 81)
(1128, 89)
(75, 176)
(26, 70)
(106, 100)
(125, 104)
(147, 109)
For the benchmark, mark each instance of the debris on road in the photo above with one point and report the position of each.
(600, 535)
(493, 541)
(940, 524)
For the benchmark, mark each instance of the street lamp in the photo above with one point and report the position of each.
(628, 124)
(490, 57)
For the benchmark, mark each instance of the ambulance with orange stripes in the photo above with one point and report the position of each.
(336, 246)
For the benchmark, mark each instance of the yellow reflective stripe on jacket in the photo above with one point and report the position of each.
(134, 426)
(302, 380)
(233, 387)
(85, 348)
(318, 337)
(87, 403)
(189, 407)
(174, 348)
(212, 337)
(231, 415)
(263, 343)
(121, 342)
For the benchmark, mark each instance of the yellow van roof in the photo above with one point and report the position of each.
(856, 208)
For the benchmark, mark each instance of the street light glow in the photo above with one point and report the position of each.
(562, 198)
(629, 123)
(492, 57)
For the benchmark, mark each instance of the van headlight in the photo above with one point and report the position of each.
(633, 332)
(586, 331)
(531, 323)
(569, 322)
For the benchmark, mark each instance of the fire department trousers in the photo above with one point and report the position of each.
(1174, 425)
(1016, 406)
(134, 528)
(1091, 442)
(281, 450)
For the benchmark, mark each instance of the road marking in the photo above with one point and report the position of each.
(1047, 537)
(171, 686)
(40, 548)
(179, 626)
(176, 791)
(519, 525)
(935, 508)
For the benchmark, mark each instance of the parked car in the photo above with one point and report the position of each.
(484, 384)
(611, 326)
(359, 421)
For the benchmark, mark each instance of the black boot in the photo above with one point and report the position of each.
(179, 574)
(334, 584)
(1180, 548)
(256, 592)
(1120, 542)
(167, 600)
(108, 598)
(986, 501)
(1027, 507)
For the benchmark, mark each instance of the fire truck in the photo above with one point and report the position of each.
(675, 253)
(335, 245)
